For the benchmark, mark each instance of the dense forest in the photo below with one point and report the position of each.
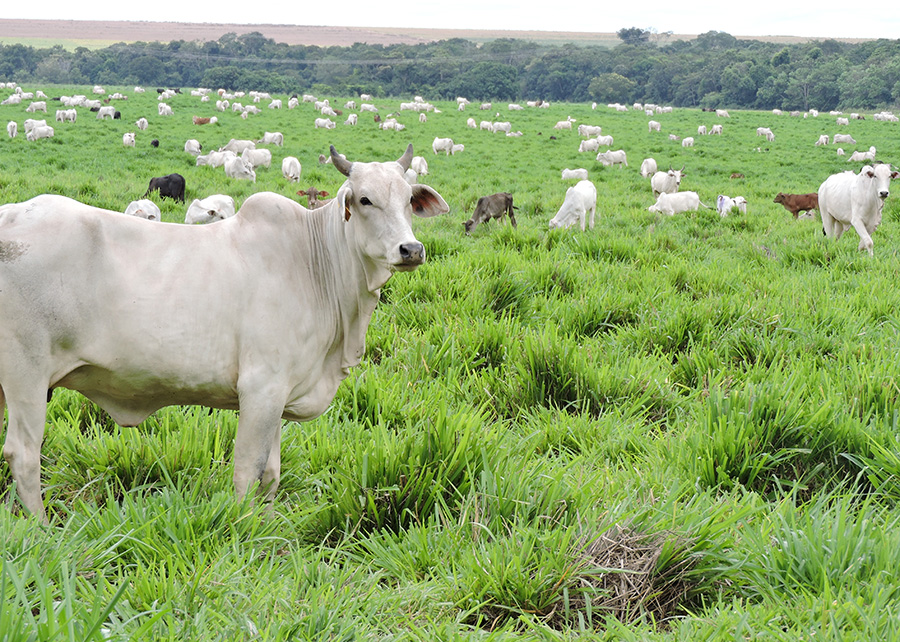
(713, 70)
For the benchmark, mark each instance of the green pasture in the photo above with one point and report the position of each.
(665, 428)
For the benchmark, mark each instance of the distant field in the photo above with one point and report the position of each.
(98, 34)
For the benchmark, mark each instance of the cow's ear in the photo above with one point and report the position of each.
(895, 174)
(426, 202)
(343, 199)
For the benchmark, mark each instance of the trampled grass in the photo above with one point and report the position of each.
(664, 428)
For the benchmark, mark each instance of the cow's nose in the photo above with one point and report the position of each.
(412, 253)
(884, 194)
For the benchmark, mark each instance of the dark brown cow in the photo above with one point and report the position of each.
(493, 206)
(796, 203)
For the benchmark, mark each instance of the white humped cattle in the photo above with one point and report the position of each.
(579, 204)
(144, 208)
(216, 207)
(290, 168)
(648, 167)
(667, 182)
(612, 157)
(672, 204)
(442, 145)
(243, 348)
(237, 168)
(855, 200)
(579, 174)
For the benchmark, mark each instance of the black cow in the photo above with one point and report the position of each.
(171, 186)
(493, 206)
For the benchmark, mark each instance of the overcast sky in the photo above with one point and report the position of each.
(825, 19)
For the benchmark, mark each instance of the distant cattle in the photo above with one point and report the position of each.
(796, 203)
(672, 204)
(725, 204)
(290, 168)
(494, 206)
(442, 145)
(213, 208)
(144, 208)
(613, 157)
(648, 167)
(169, 186)
(579, 174)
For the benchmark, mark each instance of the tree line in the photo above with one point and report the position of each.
(713, 70)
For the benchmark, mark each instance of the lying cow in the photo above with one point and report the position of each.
(144, 208)
(796, 203)
(216, 207)
(848, 199)
(170, 186)
(579, 204)
(494, 206)
(672, 204)
(243, 349)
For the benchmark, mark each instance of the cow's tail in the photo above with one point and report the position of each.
(706, 206)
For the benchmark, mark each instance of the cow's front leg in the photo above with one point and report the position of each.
(865, 239)
(257, 446)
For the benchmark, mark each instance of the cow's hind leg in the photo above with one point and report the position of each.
(22, 448)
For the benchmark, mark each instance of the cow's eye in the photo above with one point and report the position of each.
(365, 201)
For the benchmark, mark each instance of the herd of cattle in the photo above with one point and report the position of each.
(245, 344)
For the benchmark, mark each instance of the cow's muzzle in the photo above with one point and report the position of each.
(412, 254)
(883, 195)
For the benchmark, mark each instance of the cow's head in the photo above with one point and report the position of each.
(880, 176)
(377, 203)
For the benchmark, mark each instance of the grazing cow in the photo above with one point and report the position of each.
(257, 157)
(667, 182)
(494, 206)
(164, 109)
(192, 146)
(796, 203)
(471, 124)
(12, 129)
(420, 165)
(579, 174)
(142, 123)
(648, 167)
(39, 105)
(272, 138)
(840, 152)
(724, 204)
(290, 168)
(823, 140)
(589, 145)
(613, 157)
(589, 131)
(242, 349)
(701, 130)
(848, 199)
(312, 197)
(324, 123)
(213, 208)
(239, 169)
(688, 141)
(457, 148)
(716, 130)
(144, 208)
(672, 204)
(215, 159)
(579, 204)
(170, 186)
(128, 139)
(654, 126)
(501, 126)
(765, 131)
(868, 156)
(843, 138)
(843, 121)
(238, 145)
(563, 124)
(39, 131)
(442, 145)
(722, 113)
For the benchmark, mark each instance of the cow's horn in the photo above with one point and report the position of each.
(341, 163)
(406, 159)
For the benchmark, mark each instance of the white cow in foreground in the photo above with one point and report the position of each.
(725, 204)
(672, 204)
(213, 208)
(243, 349)
(580, 203)
(144, 208)
(849, 199)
